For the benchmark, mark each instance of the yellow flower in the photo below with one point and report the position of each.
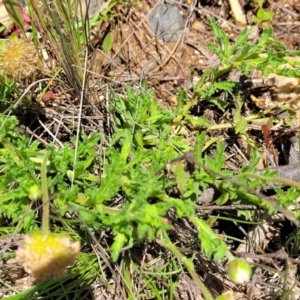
(19, 58)
(46, 256)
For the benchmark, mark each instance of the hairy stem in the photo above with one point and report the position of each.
(45, 218)
(190, 267)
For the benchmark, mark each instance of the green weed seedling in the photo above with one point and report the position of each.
(263, 17)
(266, 55)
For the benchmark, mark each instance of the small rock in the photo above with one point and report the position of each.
(166, 22)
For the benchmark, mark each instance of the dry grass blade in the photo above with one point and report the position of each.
(14, 10)
(61, 29)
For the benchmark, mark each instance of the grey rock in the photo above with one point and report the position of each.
(294, 150)
(90, 6)
(166, 22)
(210, 194)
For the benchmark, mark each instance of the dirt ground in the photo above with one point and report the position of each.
(167, 66)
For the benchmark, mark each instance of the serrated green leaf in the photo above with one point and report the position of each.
(219, 103)
(222, 199)
(181, 177)
(211, 244)
(241, 41)
(109, 184)
(263, 15)
(108, 42)
(138, 138)
(241, 126)
(221, 251)
(226, 86)
(116, 248)
(197, 121)
(220, 36)
(126, 147)
(199, 146)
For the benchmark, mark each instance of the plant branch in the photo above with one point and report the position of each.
(190, 267)
(45, 218)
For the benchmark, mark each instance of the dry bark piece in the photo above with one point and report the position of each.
(238, 13)
(4, 17)
(287, 90)
(284, 90)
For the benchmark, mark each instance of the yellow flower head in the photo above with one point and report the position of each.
(46, 256)
(19, 58)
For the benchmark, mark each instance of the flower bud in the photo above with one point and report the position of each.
(239, 271)
(34, 192)
(228, 295)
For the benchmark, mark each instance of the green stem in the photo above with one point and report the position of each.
(229, 256)
(190, 267)
(284, 181)
(45, 218)
(253, 118)
(288, 213)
